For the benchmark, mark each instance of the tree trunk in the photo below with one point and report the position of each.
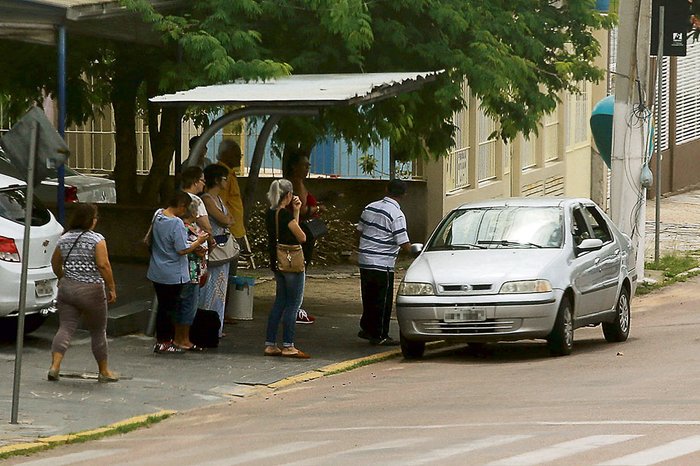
(255, 163)
(125, 85)
(163, 138)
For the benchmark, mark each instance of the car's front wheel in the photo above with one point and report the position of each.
(561, 340)
(619, 329)
(411, 349)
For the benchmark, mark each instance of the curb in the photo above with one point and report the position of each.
(332, 369)
(47, 442)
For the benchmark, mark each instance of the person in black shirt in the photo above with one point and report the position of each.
(290, 285)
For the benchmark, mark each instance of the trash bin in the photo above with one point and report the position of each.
(240, 298)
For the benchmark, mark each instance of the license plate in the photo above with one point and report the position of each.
(43, 288)
(465, 314)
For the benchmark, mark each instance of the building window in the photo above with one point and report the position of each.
(550, 136)
(457, 162)
(486, 151)
(580, 108)
(527, 152)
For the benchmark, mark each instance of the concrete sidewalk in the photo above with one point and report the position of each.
(152, 382)
(679, 229)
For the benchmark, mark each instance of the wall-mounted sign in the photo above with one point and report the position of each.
(676, 26)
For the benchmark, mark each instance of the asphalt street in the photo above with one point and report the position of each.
(152, 383)
(630, 403)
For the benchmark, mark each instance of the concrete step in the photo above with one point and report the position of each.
(121, 320)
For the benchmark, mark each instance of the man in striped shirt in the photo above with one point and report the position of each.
(383, 232)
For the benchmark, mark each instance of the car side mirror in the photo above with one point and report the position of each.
(590, 244)
(416, 249)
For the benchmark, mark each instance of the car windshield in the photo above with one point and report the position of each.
(13, 205)
(500, 227)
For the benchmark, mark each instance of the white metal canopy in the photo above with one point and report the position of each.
(36, 20)
(303, 90)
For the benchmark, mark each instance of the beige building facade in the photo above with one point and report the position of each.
(559, 161)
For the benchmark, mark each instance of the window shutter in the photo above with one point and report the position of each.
(687, 108)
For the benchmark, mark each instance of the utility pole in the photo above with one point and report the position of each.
(631, 124)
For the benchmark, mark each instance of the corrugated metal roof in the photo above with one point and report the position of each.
(303, 90)
(70, 3)
(35, 20)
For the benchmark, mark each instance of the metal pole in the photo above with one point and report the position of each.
(23, 280)
(61, 85)
(659, 62)
(152, 317)
(244, 112)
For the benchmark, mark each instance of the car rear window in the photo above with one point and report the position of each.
(13, 206)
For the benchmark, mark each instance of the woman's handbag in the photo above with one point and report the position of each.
(227, 250)
(315, 228)
(290, 257)
(203, 279)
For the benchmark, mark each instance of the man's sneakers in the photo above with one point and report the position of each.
(304, 317)
(384, 341)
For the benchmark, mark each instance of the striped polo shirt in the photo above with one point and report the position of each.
(383, 229)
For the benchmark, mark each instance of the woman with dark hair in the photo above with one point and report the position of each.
(283, 227)
(81, 263)
(169, 267)
(296, 169)
(213, 295)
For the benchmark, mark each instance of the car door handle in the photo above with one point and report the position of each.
(597, 259)
(617, 252)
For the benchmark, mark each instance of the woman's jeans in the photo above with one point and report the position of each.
(288, 296)
(168, 302)
(189, 299)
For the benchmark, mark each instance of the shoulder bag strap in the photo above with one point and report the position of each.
(277, 226)
(149, 233)
(74, 243)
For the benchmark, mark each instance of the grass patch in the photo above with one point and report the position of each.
(673, 264)
(116, 429)
(675, 268)
(361, 363)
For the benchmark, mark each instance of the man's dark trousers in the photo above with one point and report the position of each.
(377, 301)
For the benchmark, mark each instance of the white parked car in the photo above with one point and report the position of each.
(515, 269)
(43, 236)
(78, 187)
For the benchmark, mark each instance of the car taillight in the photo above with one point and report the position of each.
(8, 250)
(70, 194)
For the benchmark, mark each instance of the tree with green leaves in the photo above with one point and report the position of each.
(516, 56)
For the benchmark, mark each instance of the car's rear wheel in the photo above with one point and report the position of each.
(619, 329)
(411, 349)
(8, 325)
(561, 340)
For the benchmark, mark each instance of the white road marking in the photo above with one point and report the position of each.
(562, 450)
(265, 453)
(72, 458)
(389, 445)
(443, 453)
(512, 424)
(658, 454)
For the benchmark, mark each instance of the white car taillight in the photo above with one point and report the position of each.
(8, 250)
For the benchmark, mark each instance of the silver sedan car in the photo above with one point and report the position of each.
(514, 269)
